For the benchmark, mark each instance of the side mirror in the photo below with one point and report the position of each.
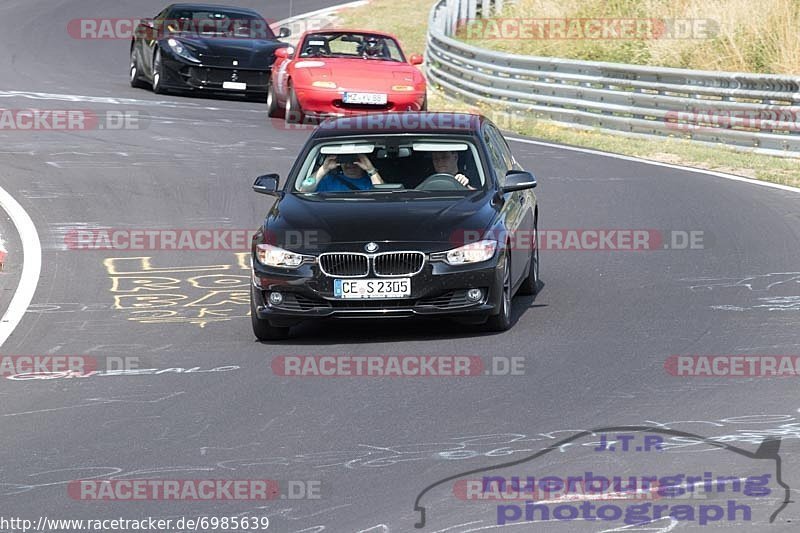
(282, 53)
(518, 180)
(284, 32)
(267, 184)
(415, 59)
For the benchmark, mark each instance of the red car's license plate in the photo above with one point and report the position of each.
(364, 98)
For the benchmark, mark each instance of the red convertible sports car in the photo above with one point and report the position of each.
(344, 72)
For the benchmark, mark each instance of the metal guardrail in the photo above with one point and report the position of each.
(748, 111)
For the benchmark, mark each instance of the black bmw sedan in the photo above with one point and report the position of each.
(396, 215)
(199, 47)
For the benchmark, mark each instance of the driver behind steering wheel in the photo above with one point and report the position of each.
(372, 47)
(447, 163)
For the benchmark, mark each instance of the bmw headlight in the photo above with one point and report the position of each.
(181, 50)
(474, 252)
(273, 256)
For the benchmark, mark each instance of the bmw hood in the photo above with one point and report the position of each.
(312, 224)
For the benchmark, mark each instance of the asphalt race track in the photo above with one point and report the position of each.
(594, 341)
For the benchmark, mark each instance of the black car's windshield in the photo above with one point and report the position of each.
(423, 166)
(354, 45)
(207, 22)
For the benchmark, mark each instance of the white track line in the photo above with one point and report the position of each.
(31, 265)
(731, 177)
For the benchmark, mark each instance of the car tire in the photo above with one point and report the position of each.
(502, 320)
(158, 73)
(273, 109)
(262, 329)
(531, 284)
(135, 73)
(424, 106)
(294, 112)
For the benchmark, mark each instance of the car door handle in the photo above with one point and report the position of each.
(522, 199)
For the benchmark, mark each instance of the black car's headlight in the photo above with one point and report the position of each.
(273, 256)
(179, 49)
(474, 252)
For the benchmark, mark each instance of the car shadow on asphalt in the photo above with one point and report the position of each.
(370, 331)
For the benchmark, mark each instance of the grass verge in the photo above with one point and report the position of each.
(695, 34)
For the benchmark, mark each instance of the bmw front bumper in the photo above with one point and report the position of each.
(439, 290)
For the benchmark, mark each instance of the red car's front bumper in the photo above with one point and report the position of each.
(321, 103)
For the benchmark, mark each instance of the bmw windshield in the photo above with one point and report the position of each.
(391, 164)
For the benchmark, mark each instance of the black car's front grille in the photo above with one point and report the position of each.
(220, 75)
(218, 61)
(354, 265)
(398, 263)
(344, 265)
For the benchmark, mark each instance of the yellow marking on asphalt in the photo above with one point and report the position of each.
(196, 295)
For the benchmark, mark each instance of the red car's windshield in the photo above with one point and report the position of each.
(352, 45)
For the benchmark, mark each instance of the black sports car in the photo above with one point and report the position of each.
(396, 215)
(198, 47)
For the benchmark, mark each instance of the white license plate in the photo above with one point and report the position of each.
(234, 85)
(364, 98)
(372, 288)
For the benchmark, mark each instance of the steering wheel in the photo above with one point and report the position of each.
(441, 181)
